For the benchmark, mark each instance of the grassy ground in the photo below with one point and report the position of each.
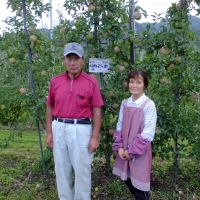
(21, 176)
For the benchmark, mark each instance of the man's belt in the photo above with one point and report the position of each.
(74, 121)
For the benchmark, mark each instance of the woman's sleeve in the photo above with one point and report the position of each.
(141, 142)
(118, 143)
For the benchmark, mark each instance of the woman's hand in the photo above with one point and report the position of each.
(121, 153)
(126, 156)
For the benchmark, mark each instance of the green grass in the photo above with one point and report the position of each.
(22, 177)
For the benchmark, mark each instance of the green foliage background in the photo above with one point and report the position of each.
(176, 98)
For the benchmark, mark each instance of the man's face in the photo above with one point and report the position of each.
(73, 64)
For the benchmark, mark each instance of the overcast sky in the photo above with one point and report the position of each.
(150, 6)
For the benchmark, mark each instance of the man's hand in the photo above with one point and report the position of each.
(49, 119)
(93, 145)
(49, 140)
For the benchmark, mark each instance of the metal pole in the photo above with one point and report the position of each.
(98, 43)
(184, 7)
(51, 31)
(132, 27)
(51, 19)
(176, 159)
(32, 82)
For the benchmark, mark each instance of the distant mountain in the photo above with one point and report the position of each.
(195, 25)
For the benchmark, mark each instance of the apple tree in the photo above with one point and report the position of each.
(170, 60)
(105, 29)
(21, 94)
(173, 65)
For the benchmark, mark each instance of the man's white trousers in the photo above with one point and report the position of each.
(70, 150)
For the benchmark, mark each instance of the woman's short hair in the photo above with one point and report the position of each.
(134, 74)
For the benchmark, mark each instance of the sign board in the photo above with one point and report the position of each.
(98, 65)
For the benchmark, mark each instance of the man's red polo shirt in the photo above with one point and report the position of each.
(74, 98)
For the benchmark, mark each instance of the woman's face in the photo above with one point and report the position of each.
(136, 87)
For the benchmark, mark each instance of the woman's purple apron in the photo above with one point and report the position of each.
(139, 170)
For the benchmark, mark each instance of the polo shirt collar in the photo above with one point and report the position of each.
(138, 101)
(75, 76)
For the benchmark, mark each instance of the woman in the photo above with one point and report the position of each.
(132, 138)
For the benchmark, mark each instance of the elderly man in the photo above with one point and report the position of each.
(73, 105)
